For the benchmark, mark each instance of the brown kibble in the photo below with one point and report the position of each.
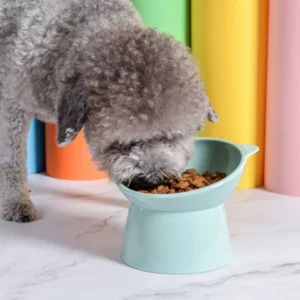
(208, 178)
(188, 189)
(160, 188)
(182, 179)
(171, 181)
(214, 180)
(191, 180)
(199, 183)
(186, 176)
(154, 191)
(214, 177)
(165, 190)
(206, 174)
(191, 172)
(205, 180)
(220, 175)
(181, 185)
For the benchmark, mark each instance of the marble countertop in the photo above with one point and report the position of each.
(72, 250)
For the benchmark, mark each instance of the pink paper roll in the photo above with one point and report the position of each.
(282, 160)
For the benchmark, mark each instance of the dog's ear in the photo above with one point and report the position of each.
(212, 115)
(72, 111)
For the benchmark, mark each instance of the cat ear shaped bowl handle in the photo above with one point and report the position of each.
(247, 149)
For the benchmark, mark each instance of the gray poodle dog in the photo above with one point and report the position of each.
(92, 65)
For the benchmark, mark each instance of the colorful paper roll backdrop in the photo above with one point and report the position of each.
(36, 147)
(283, 99)
(229, 39)
(72, 162)
(168, 16)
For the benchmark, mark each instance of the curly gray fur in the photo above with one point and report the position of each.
(92, 65)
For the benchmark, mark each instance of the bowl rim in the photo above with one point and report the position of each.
(127, 190)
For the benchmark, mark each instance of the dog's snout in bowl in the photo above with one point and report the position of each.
(147, 183)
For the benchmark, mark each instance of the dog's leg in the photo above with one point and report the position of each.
(15, 204)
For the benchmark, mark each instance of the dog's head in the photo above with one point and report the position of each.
(140, 101)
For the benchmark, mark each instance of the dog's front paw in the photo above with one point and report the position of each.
(19, 211)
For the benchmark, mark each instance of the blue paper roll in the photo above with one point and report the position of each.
(36, 147)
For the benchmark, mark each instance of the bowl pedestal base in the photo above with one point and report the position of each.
(176, 242)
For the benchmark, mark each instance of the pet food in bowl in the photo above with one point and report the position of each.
(189, 181)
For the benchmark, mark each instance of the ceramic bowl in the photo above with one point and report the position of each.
(186, 232)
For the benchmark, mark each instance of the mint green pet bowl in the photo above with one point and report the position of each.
(186, 233)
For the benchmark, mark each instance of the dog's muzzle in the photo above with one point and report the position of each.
(146, 184)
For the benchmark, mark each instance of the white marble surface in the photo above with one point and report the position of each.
(72, 250)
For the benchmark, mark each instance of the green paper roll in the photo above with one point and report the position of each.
(170, 16)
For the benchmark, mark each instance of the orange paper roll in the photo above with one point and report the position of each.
(72, 162)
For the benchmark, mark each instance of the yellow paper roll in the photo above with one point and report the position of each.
(229, 39)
